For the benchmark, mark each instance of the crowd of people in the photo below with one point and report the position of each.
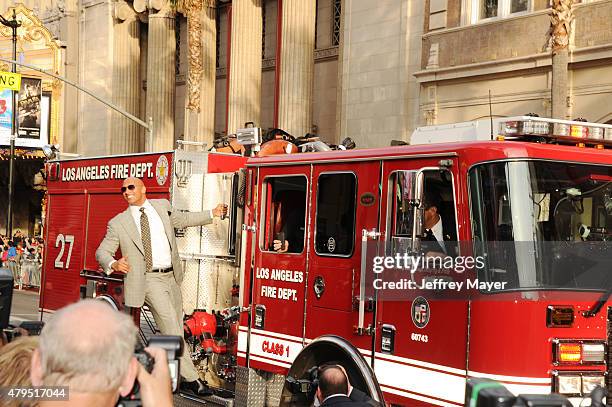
(23, 256)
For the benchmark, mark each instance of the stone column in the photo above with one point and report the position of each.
(244, 97)
(161, 79)
(200, 100)
(126, 135)
(296, 66)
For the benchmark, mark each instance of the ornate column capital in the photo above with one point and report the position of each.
(187, 7)
(124, 11)
(161, 8)
(192, 9)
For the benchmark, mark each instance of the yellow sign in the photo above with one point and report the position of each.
(10, 81)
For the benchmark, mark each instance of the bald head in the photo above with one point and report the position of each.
(87, 346)
(133, 180)
(134, 191)
(332, 380)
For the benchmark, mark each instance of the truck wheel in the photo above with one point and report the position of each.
(324, 350)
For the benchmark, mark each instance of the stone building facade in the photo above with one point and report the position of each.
(511, 49)
(371, 70)
(194, 67)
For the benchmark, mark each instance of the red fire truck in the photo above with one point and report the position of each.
(535, 194)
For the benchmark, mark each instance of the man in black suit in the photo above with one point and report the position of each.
(333, 389)
(354, 393)
(439, 230)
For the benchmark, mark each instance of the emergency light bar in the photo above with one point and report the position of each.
(568, 131)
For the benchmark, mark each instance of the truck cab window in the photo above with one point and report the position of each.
(335, 224)
(543, 224)
(285, 205)
(438, 205)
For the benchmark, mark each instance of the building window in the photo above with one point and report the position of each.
(479, 10)
(516, 6)
(336, 21)
(488, 8)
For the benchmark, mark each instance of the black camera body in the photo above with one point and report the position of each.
(6, 296)
(32, 328)
(173, 345)
(489, 393)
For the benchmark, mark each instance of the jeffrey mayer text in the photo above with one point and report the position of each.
(438, 284)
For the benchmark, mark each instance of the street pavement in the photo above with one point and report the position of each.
(24, 307)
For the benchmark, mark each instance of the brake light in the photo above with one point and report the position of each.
(577, 352)
(569, 353)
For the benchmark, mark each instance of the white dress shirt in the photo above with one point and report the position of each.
(160, 245)
(438, 233)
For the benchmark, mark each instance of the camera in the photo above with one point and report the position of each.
(307, 386)
(26, 328)
(173, 345)
(6, 296)
(489, 393)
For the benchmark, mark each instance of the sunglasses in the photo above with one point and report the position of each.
(130, 187)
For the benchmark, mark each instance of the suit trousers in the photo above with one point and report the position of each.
(163, 296)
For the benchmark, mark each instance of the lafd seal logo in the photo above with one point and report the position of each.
(331, 244)
(420, 312)
(161, 170)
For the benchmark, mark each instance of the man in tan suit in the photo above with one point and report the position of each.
(153, 275)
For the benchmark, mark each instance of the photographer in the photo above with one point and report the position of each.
(89, 348)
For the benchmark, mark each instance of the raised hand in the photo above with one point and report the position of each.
(220, 211)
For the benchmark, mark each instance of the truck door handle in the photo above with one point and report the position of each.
(319, 286)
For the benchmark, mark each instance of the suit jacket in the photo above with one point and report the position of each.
(358, 395)
(343, 401)
(122, 233)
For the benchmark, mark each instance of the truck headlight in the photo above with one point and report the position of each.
(577, 383)
(590, 382)
(569, 384)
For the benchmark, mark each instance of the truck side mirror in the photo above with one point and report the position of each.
(418, 224)
(412, 186)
